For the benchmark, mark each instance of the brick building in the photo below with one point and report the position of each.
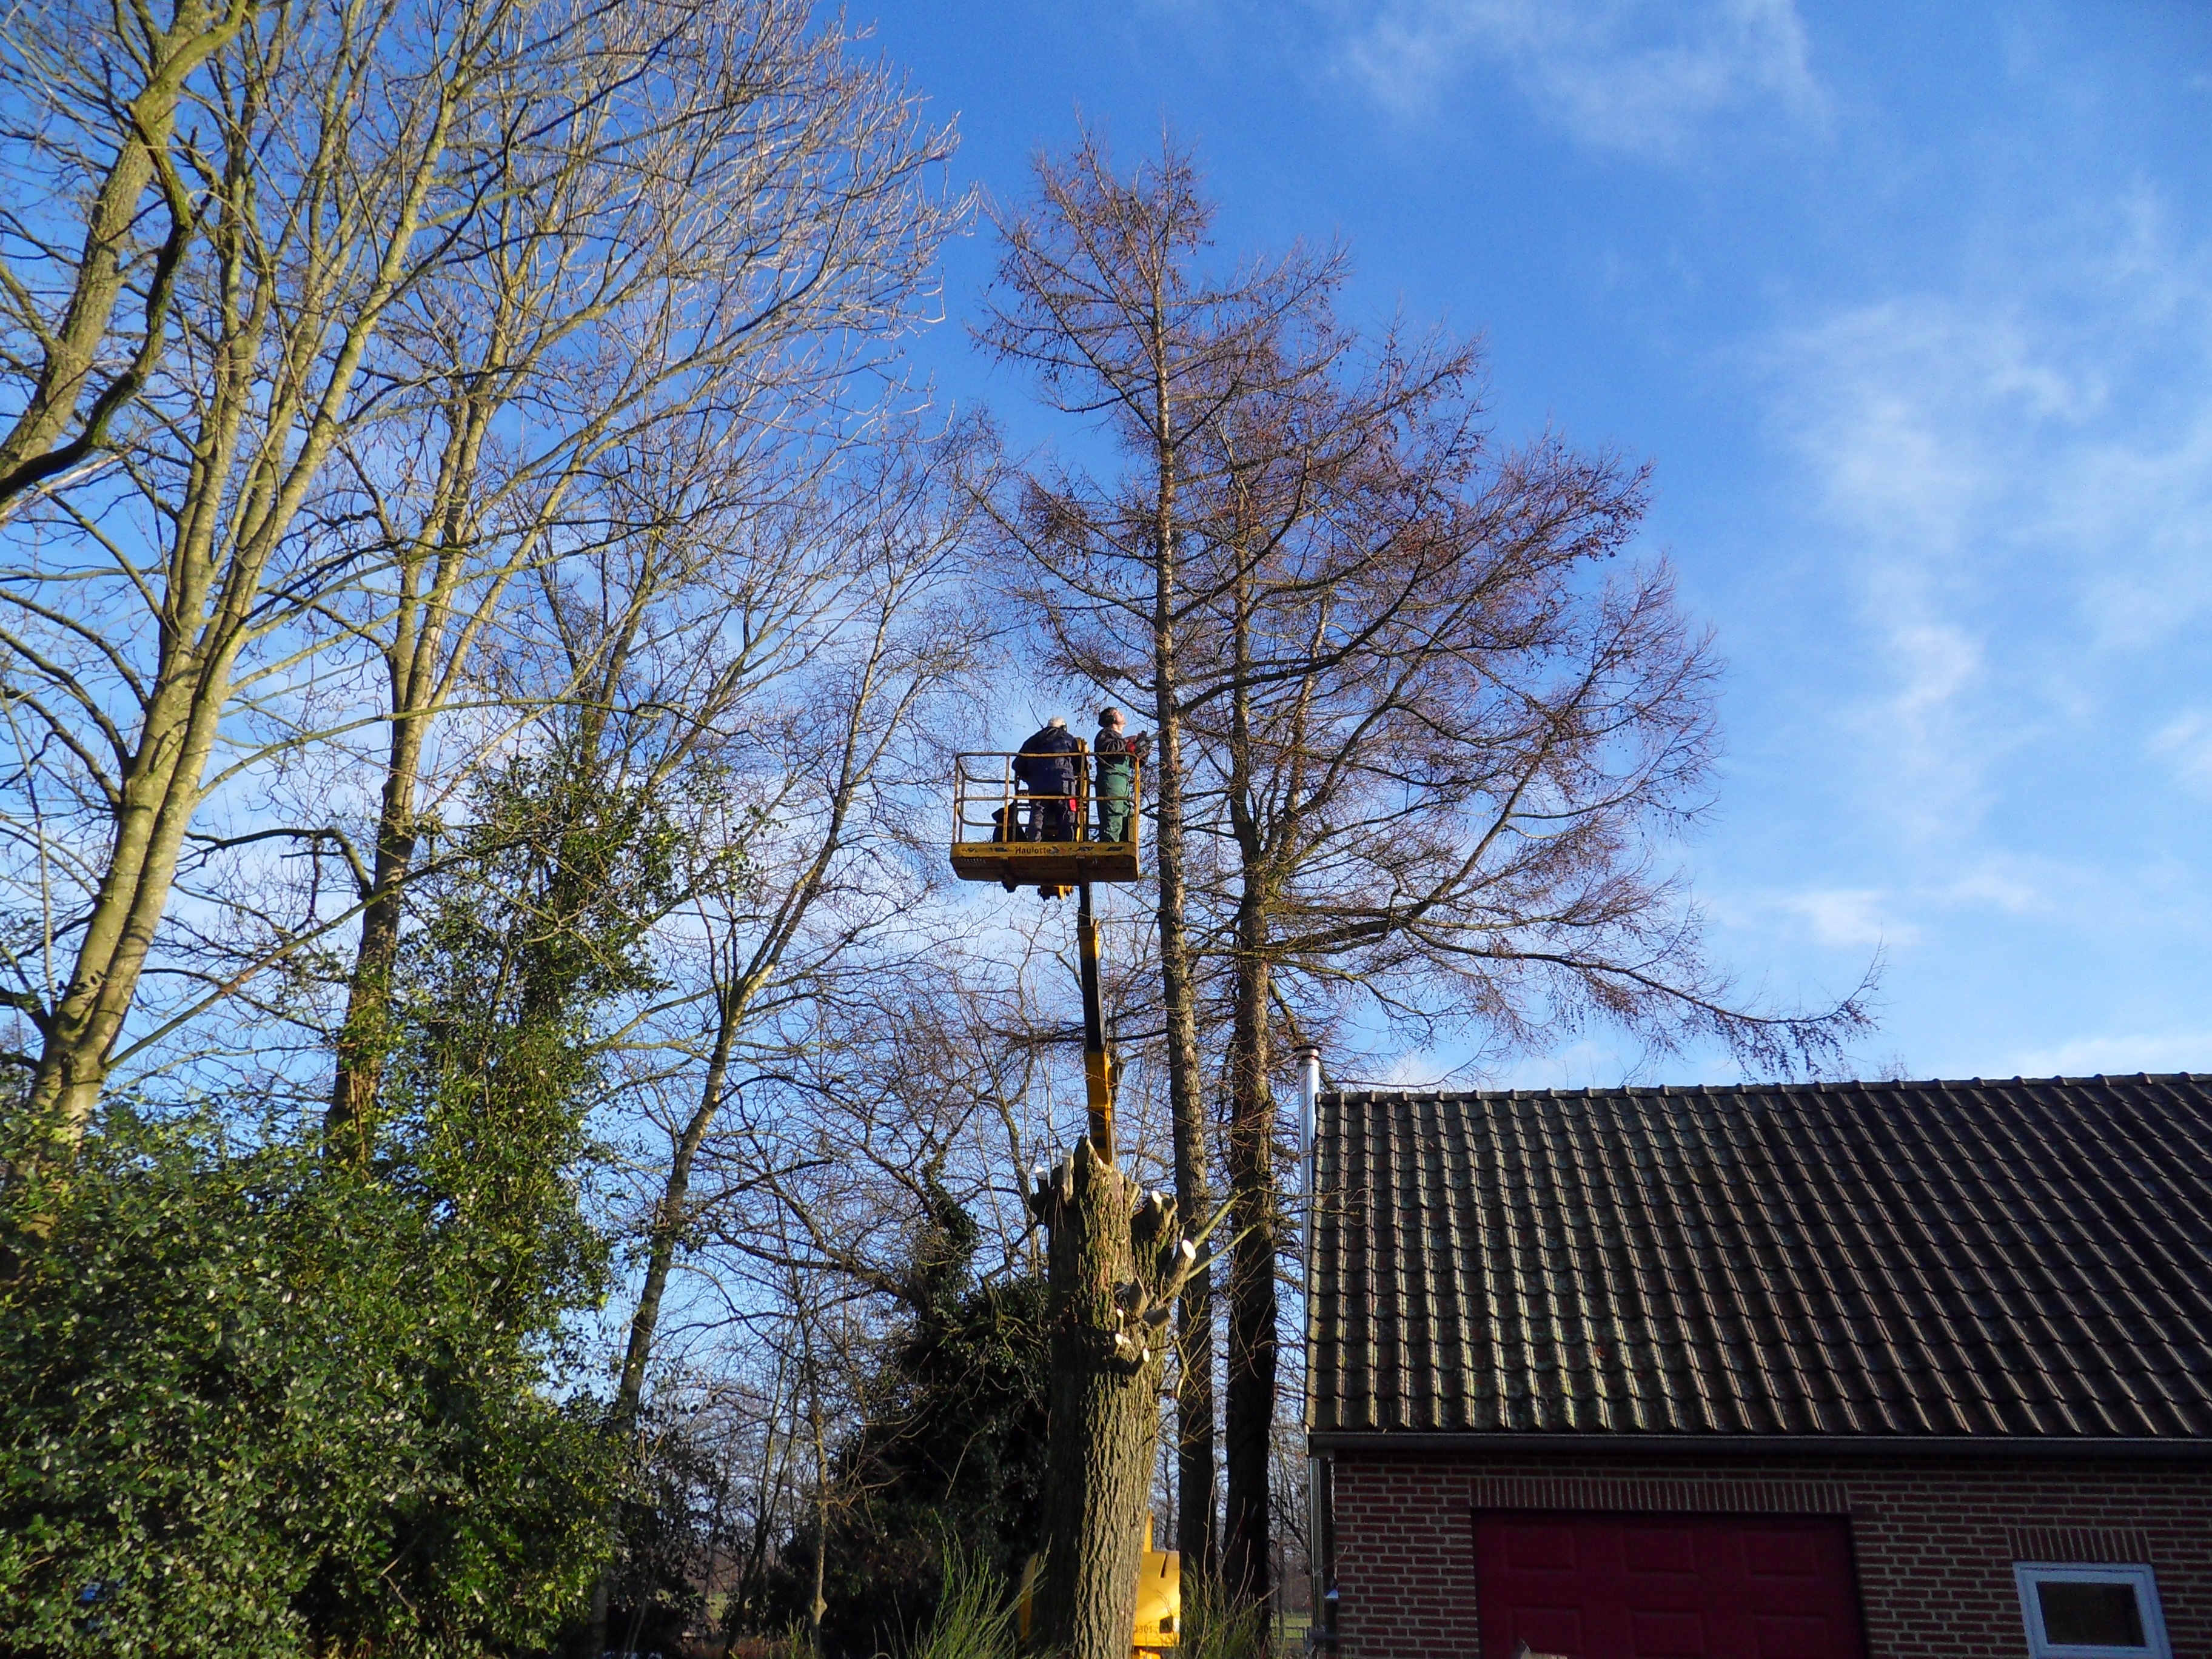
(1818, 1372)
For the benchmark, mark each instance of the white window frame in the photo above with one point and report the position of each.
(2028, 1574)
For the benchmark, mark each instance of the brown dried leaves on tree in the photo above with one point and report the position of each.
(1100, 295)
(1425, 734)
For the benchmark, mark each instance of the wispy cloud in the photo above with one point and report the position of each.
(1641, 76)
(2018, 482)
(2185, 743)
(1850, 915)
(1958, 897)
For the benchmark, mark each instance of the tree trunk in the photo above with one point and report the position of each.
(670, 1215)
(1194, 1531)
(38, 444)
(1246, 1547)
(160, 793)
(1115, 1264)
(365, 1040)
(1194, 1518)
(210, 591)
(412, 663)
(666, 1231)
(818, 1603)
(1247, 1554)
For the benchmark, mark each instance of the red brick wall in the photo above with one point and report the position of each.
(1935, 1539)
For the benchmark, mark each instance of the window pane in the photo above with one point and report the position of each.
(2090, 1616)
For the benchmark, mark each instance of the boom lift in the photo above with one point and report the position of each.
(997, 836)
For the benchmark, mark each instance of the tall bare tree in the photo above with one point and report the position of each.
(1418, 756)
(337, 159)
(1102, 294)
(452, 266)
(776, 694)
(834, 663)
(675, 293)
(1440, 753)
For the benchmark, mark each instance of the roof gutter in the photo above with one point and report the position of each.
(1614, 1444)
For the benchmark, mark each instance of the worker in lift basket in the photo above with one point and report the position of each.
(1117, 757)
(1048, 767)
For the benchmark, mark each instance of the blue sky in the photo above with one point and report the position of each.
(1911, 309)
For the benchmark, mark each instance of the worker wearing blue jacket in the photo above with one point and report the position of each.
(1050, 767)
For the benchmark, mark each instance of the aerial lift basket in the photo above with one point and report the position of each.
(999, 831)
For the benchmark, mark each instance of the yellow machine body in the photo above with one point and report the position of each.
(1159, 1599)
(1098, 1075)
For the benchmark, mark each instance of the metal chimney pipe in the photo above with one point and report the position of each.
(1316, 1508)
(1309, 1093)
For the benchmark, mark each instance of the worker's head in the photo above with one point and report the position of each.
(1054, 721)
(1109, 719)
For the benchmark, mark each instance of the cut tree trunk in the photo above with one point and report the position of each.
(1115, 1263)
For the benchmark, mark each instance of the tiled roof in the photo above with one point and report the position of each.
(1919, 1258)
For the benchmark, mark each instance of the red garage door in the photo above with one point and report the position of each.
(1665, 1586)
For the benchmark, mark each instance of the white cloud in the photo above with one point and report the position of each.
(1953, 897)
(1610, 1061)
(2186, 743)
(2027, 887)
(2090, 898)
(1636, 75)
(1859, 917)
(1850, 915)
(2016, 483)
(1416, 1068)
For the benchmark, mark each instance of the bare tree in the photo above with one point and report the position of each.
(674, 294)
(776, 693)
(838, 658)
(478, 253)
(1101, 295)
(91, 96)
(1419, 757)
(1441, 753)
(873, 1105)
(141, 608)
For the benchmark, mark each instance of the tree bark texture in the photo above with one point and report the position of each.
(211, 585)
(1115, 1264)
(1247, 1555)
(415, 661)
(1247, 1550)
(669, 1217)
(365, 1040)
(1195, 1427)
(39, 442)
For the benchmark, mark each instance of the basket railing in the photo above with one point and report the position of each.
(990, 804)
